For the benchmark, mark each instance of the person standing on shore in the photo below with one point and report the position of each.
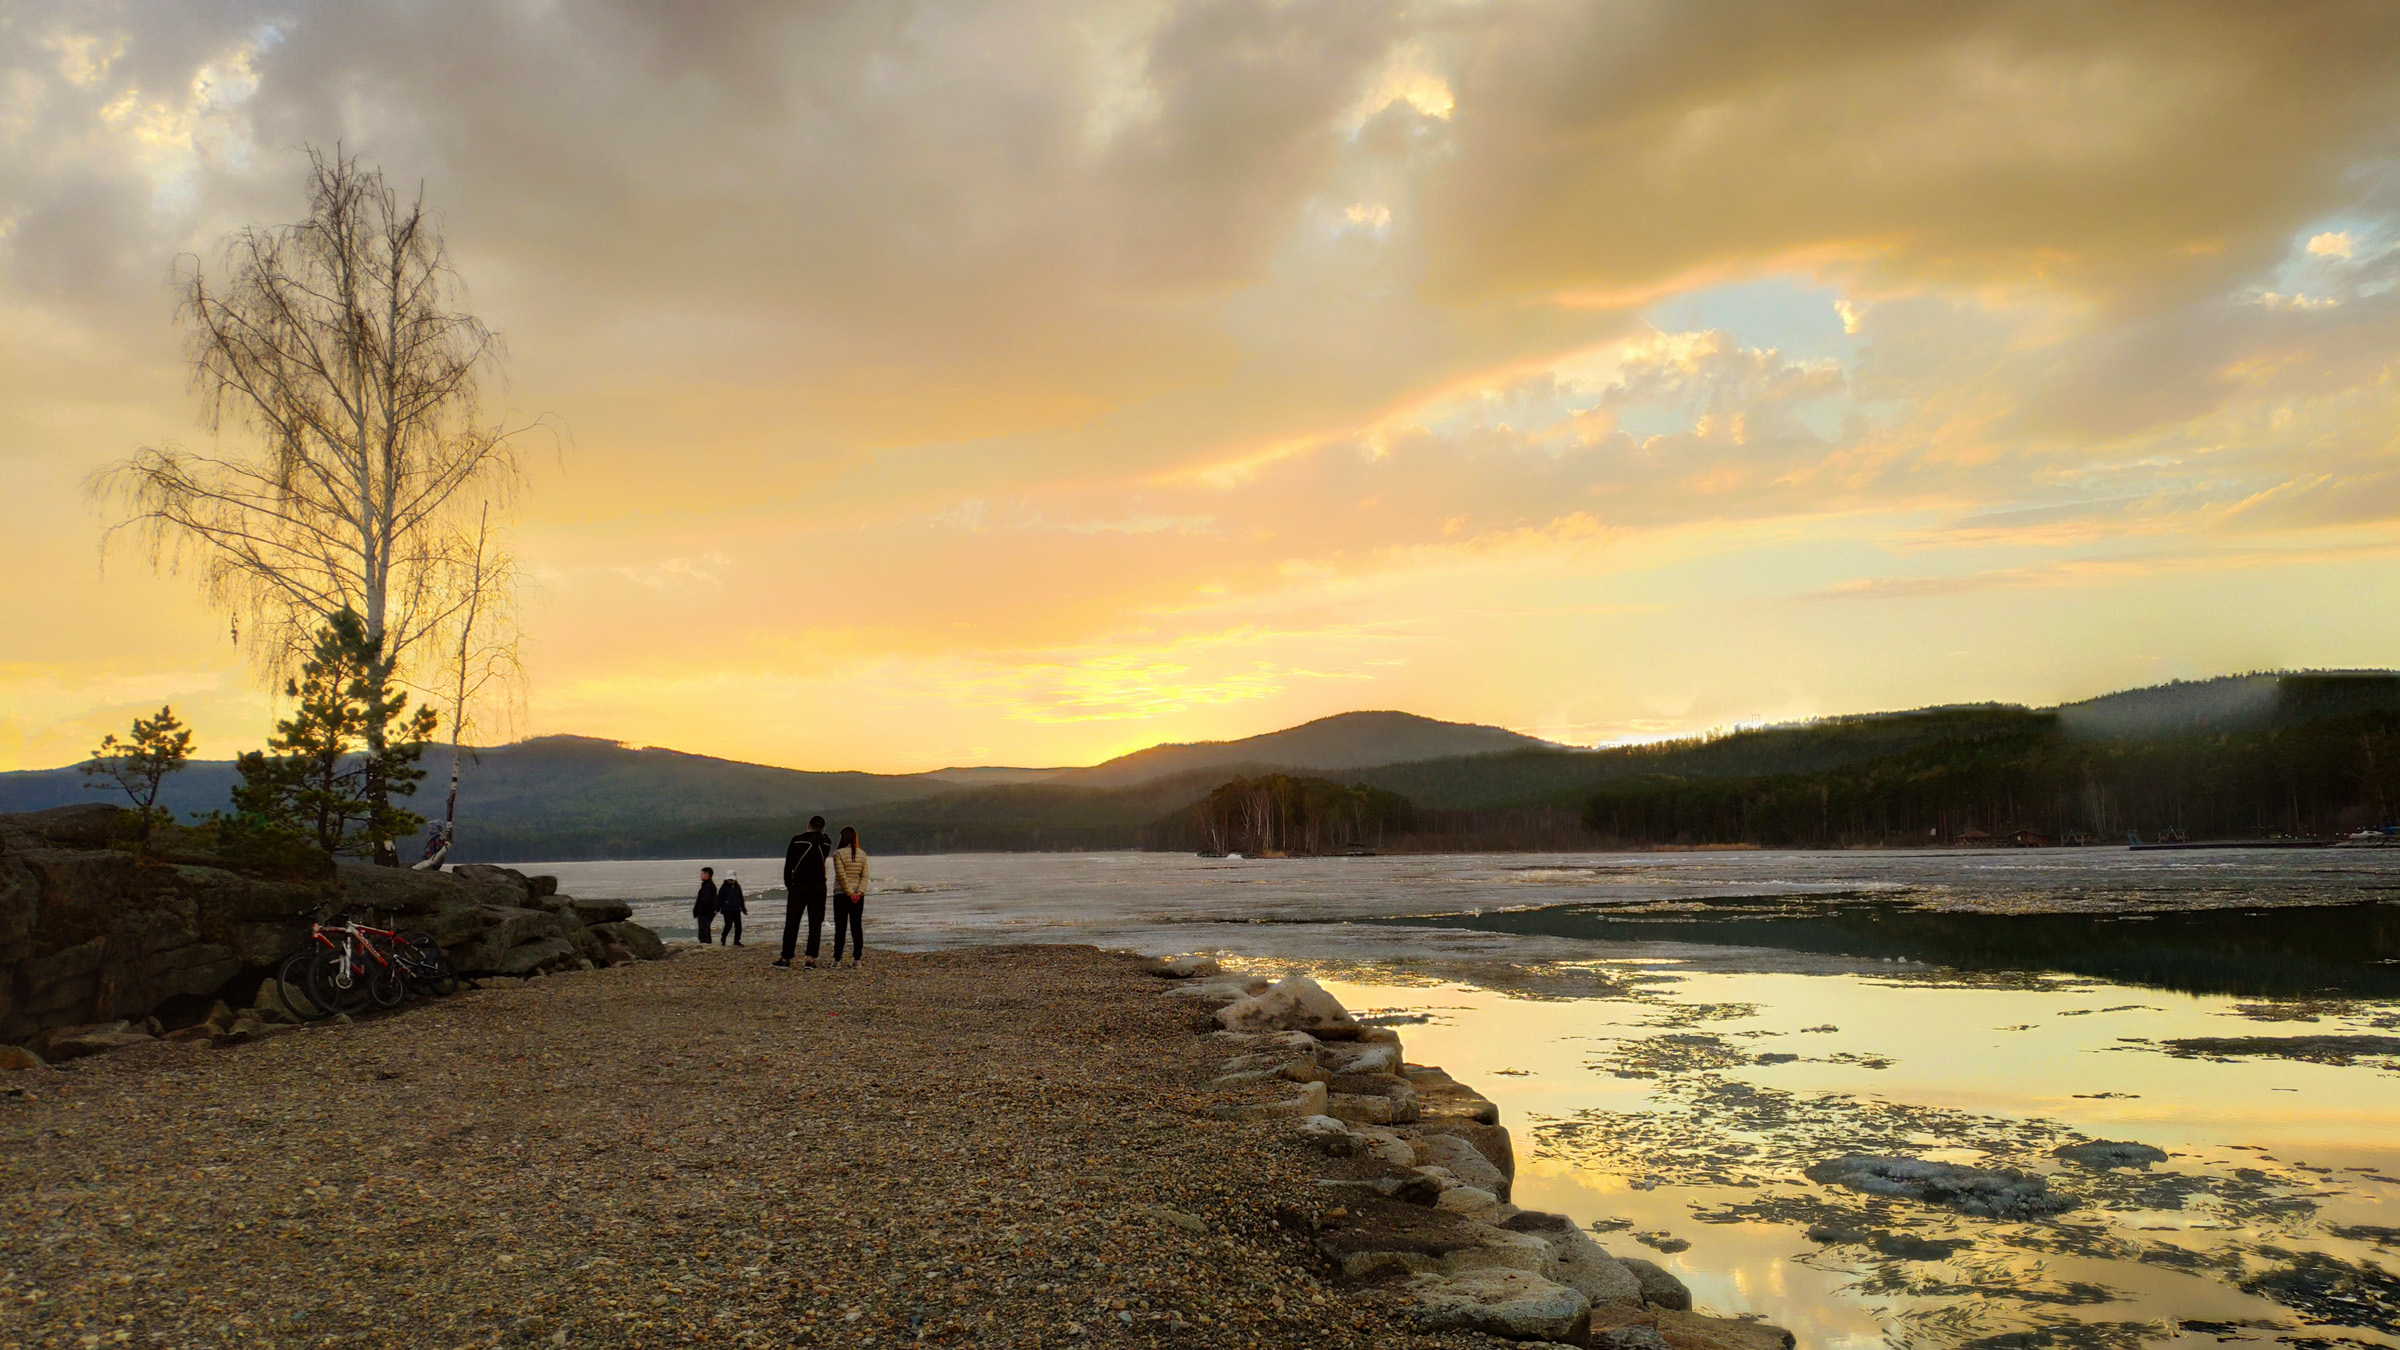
(704, 905)
(731, 907)
(804, 888)
(849, 896)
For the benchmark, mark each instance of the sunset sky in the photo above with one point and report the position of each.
(952, 383)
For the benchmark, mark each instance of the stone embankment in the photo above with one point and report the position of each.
(103, 946)
(1416, 1180)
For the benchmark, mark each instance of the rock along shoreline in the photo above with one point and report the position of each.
(1417, 1176)
(103, 947)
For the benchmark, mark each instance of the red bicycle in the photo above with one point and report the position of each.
(347, 966)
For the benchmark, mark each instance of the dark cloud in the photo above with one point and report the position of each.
(2129, 151)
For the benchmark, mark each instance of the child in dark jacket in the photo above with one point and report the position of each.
(731, 907)
(704, 905)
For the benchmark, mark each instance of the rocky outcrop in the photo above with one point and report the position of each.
(1297, 1003)
(1507, 1303)
(2102, 1154)
(94, 934)
(1418, 1174)
(1990, 1193)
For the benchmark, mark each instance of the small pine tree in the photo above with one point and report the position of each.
(316, 774)
(139, 767)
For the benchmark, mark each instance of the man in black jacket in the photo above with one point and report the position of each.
(704, 905)
(804, 887)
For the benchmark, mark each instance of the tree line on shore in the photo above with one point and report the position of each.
(1281, 813)
(2039, 779)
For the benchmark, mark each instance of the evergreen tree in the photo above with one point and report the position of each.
(139, 767)
(350, 730)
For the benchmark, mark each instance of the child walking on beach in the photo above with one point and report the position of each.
(849, 896)
(731, 907)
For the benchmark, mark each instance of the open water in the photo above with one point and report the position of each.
(1675, 1039)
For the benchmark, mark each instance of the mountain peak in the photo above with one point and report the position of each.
(1337, 743)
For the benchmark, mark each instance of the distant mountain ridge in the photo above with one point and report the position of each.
(562, 796)
(569, 797)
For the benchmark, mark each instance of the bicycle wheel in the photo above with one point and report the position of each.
(291, 986)
(431, 969)
(335, 990)
(387, 984)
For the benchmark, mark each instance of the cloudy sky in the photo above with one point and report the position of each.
(948, 383)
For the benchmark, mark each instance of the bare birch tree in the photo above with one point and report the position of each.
(342, 346)
(485, 654)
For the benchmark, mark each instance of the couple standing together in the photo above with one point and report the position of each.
(804, 866)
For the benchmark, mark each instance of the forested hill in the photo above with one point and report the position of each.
(561, 797)
(556, 797)
(2315, 759)
(1337, 744)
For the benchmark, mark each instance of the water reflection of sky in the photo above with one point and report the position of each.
(1677, 1089)
(1670, 1110)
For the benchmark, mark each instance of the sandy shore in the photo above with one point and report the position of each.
(1010, 1146)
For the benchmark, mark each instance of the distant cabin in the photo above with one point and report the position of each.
(1971, 835)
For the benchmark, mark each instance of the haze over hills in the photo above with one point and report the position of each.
(558, 797)
(561, 797)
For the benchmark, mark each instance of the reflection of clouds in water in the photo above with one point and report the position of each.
(1718, 1139)
(2264, 1242)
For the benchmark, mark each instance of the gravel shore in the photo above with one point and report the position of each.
(1009, 1147)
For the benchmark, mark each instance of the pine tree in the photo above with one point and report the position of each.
(139, 767)
(318, 774)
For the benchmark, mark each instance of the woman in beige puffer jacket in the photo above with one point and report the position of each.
(849, 896)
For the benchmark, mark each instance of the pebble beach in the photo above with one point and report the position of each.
(1011, 1146)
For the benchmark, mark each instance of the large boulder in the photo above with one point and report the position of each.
(1385, 1236)
(496, 875)
(642, 942)
(259, 920)
(1491, 1141)
(93, 931)
(1296, 1003)
(90, 825)
(1514, 1304)
(1441, 1096)
(505, 928)
(1464, 1161)
(1659, 1286)
(1579, 1262)
(1988, 1193)
(1361, 1058)
(1372, 1101)
(525, 958)
(597, 911)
